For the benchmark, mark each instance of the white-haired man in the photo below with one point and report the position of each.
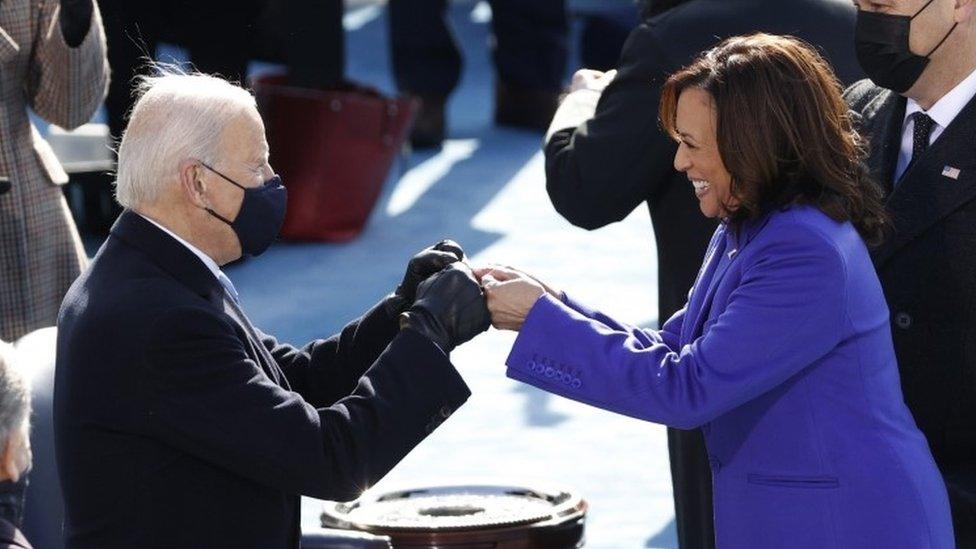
(15, 449)
(180, 424)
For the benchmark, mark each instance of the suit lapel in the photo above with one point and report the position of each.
(730, 253)
(186, 267)
(696, 300)
(884, 119)
(925, 195)
(265, 360)
(706, 304)
(170, 255)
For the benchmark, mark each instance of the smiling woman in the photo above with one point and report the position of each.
(761, 124)
(783, 353)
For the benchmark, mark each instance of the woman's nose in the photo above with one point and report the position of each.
(681, 161)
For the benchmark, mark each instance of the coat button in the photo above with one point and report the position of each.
(577, 383)
(903, 320)
(446, 412)
(550, 371)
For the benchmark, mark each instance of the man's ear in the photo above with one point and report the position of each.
(192, 185)
(12, 460)
(965, 11)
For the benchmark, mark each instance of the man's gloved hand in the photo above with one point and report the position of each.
(449, 308)
(421, 266)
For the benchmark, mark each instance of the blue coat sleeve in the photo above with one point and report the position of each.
(786, 313)
(669, 334)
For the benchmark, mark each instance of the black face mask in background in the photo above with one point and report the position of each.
(883, 49)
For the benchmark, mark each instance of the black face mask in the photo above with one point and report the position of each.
(261, 216)
(883, 49)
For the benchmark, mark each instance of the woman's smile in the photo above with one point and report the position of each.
(701, 187)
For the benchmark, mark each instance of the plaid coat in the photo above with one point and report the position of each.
(40, 252)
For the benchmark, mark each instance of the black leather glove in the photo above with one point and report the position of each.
(421, 266)
(76, 18)
(450, 308)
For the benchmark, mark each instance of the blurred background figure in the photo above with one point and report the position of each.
(314, 47)
(606, 26)
(52, 60)
(605, 156)
(15, 449)
(216, 33)
(529, 48)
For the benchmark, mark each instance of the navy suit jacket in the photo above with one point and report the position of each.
(927, 269)
(179, 424)
(783, 356)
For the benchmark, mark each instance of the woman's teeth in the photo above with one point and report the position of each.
(701, 186)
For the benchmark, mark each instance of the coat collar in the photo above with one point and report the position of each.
(883, 120)
(729, 241)
(939, 182)
(173, 257)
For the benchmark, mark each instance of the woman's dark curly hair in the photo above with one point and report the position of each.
(784, 131)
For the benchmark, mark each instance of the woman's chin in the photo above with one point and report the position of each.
(708, 210)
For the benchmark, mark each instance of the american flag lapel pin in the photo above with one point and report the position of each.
(951, 173)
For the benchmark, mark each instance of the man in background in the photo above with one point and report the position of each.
(15, 449)
(920, 116)
(529, 48)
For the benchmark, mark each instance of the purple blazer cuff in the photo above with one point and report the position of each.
(542, 323)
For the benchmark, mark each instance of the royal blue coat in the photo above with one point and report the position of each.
(783, 355)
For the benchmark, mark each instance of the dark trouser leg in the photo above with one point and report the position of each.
(426, 58)
(316, 45)
(531, 44)
(217, 32)
(426, 63)
(132, 33)
(961, 484)
(691, 479)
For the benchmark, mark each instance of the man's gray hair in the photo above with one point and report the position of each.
(177, 116)
(14, 395)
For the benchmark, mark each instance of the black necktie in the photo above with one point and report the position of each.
(921, 134)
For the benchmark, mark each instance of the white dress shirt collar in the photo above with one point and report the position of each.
(206, 259)
(945, 110)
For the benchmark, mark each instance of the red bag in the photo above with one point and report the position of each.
(334, 149)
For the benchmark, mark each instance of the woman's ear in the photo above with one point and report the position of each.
(192, 185)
